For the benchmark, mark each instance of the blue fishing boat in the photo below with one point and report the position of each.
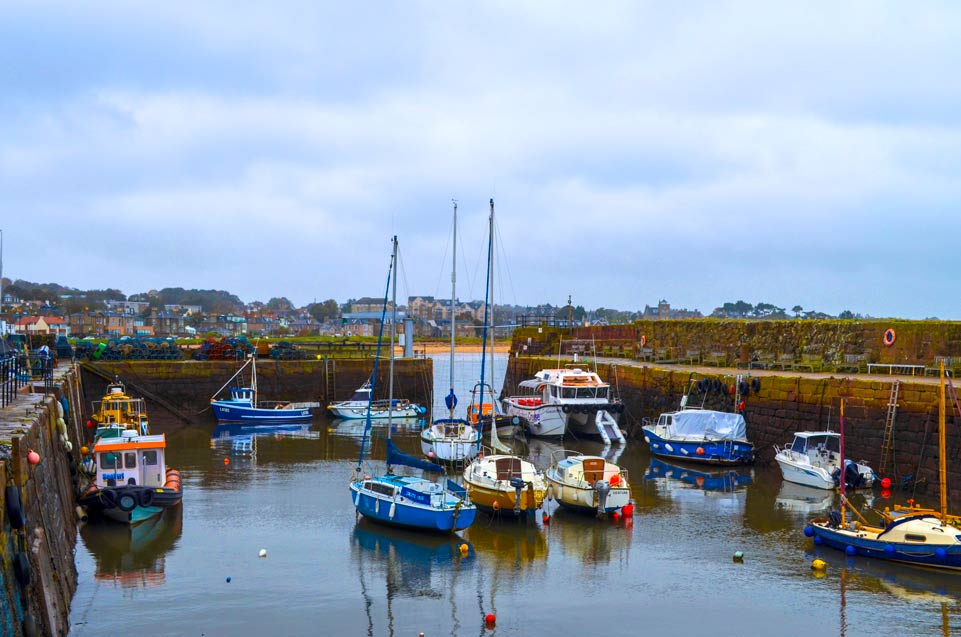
(700, 435)
(406, 501)
(243, 404)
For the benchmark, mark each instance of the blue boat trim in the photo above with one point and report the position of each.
(724, 452)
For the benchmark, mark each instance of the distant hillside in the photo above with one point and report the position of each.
(213, 301)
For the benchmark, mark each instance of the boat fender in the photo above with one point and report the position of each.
(146, 497)
(126, 502)
(21, 568)
(515, 421)
(744, 388)
(15, 511)
(756, 385)
(566, 409)
(643, 340)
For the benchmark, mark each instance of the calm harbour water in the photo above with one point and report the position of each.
(669, 571)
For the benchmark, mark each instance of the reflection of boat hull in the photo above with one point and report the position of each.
(404, 512)
(803, 499)
(133, 556)
(232, 430)
(227, 412)
(716, 480)
(716, 452)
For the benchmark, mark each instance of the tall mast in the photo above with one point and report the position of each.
(253, 376)
(393, 336)
(490, 304)
(942, 450)
(453, 312)
(487, 289)
(842, 485)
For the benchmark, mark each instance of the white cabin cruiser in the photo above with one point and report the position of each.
(814, 460)
(571, 399)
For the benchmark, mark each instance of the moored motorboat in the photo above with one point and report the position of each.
(505, 484)
(700, 435)
(360, 404)
(814, 460)
(588, 483)
(571, 399)
(132, 482)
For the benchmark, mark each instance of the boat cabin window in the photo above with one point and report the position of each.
(377, 487)
(798, 445)
(110, 460)
(569, 392)
(150, 457)
(910, 537)
(662, 421)
(130, 459)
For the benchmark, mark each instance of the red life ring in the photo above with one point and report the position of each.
(889, 337)
(643, 340)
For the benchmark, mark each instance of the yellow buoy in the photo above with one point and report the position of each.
(818, 565)
(464, 549)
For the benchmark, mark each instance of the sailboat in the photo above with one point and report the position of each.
(406, 501)
(500, 482)
(451, 439)
(245, 406)
(922, 537)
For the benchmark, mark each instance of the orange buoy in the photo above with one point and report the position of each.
(699, 451)
(226, 461)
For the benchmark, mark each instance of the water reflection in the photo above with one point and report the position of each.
(132, 557)
(406, 564)
(727, 479)
(585, 539)
(513, 544)
(802, 500)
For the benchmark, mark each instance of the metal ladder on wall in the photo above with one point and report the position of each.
(887, 442)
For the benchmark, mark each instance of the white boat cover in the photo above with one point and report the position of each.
(709, 424)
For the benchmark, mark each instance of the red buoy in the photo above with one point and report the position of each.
(627, 510)
(731, 390)
(33, 457)
(546, 519)
(699, 451)
(89, 424)
(885, 483)
(740, 406)
(226, 461)
(490, 619)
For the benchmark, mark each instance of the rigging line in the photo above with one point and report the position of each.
(402, 272)
(503, 267)
(443, 261)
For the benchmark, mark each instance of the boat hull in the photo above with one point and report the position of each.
(360, 413)
(491, 499)
(448, 450)
(128, 505)
(796, 469)
(235, 413)
(585, 499)
(543, 421)
(941, 557)
(716, 452)
(385, 510)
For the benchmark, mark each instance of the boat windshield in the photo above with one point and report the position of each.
(831, 443)
(584, 392)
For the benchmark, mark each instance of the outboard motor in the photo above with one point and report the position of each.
(602, 488)
(518, 485)
(852, 477)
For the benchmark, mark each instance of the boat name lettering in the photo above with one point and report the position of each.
(113, 476)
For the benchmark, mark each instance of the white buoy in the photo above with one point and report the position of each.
(263, 553)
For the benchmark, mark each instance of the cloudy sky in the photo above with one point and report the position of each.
(792, 153)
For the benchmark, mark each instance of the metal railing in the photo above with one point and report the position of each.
(13, 376)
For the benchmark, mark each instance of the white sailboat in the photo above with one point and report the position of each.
(451, 439)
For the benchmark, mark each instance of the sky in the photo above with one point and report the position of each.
(699, 152)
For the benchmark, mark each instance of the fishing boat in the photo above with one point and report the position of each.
(118, 411)
(360, 403)
(566, 399)
(502, 482)
(695, 434)
(814, 460)
(244, 404)
(406, 501)
(451, 439)
(922, 537)
(132, 482)
(588, 483)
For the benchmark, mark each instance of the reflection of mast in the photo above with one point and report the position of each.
(945, 624)
(844, 622)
